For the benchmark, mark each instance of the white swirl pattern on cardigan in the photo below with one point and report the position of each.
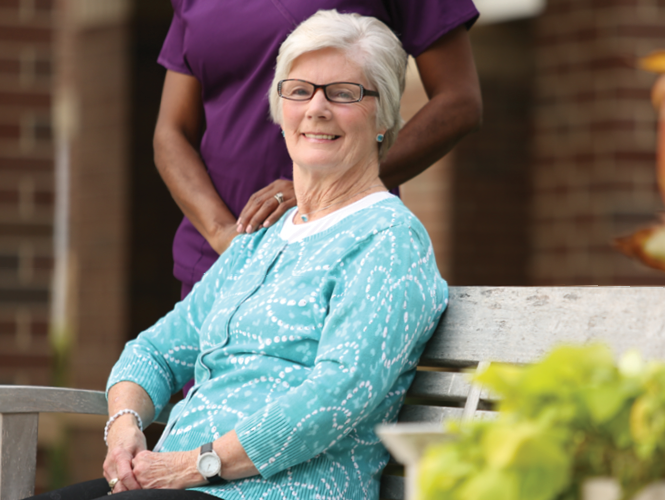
(301, 348)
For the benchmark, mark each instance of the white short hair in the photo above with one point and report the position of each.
(366, 41)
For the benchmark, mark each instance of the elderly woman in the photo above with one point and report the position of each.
(303, 336)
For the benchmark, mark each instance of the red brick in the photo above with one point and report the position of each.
(27, 230)
(44, 198)
(26, 164)
(559, 7)
(25, 34)
(10, 131)
(25, 99)
(637, 156)
(642, 31)
(599, 4)
(612, 126)
(43, 67)
(10, 66)
(44, 5)
(9, 196)
(632, 280)
(638, 94)
(39, 328)
(7, 327)
(43, 263)
(16, 360)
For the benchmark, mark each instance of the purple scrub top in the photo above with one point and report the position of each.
(231, 47)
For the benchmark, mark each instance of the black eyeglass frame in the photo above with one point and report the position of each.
(363, 91)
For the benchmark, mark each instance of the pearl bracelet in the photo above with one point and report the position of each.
(115, 417)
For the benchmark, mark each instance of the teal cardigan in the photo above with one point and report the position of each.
(302, 348)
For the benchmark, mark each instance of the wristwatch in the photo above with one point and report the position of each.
(209, 464)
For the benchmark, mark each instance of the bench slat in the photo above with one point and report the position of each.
(32, 399)
(18, 455)
(521, 324)
(440, 386)
(428, 414)
(35, 399)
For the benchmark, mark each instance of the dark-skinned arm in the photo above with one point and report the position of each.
(177, 159)
(179, 164)
(454, 109)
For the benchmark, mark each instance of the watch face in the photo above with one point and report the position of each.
(209, 464)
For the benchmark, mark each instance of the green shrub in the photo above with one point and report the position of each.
(574, 415)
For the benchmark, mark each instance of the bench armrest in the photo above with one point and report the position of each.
(35, 399)
(20, 406)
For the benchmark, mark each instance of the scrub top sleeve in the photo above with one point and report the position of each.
(418, 24)
(172, 55)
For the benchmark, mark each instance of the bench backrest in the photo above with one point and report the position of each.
(510, 324)
(520, 325)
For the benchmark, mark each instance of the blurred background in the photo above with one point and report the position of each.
(564, 163)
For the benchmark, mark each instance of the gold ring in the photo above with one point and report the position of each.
(279, 197)
(113, 482)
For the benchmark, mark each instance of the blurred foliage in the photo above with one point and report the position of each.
(646, 245)
(654, 62)
(574, 415)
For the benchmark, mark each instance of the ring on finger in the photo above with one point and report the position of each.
(279, 197)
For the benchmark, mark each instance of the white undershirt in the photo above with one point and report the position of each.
(295, 232)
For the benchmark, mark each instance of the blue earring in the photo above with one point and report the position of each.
(379, 138)
(283, 134)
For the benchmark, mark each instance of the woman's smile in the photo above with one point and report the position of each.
(323, 137)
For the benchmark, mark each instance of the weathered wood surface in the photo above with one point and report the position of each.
(520, 324)
(20, 407)
(35, 399)
(429, 414)
(18, 455)
(440, 386)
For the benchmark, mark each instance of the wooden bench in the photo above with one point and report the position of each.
(482, 324)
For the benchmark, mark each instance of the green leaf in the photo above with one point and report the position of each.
(490, 484)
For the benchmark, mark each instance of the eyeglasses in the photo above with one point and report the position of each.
(340, 92)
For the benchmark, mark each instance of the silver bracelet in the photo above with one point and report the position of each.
(115, 417)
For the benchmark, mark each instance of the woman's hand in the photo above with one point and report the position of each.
(173, 470)
(125, 441)
(263, 209)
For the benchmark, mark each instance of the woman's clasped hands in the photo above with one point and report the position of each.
(125, 441)
(134, 467)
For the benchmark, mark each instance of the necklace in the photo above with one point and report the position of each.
(305, 217)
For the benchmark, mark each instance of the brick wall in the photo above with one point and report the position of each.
(26, 190)
(593, 172)
(489, 181)
(26, 193)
